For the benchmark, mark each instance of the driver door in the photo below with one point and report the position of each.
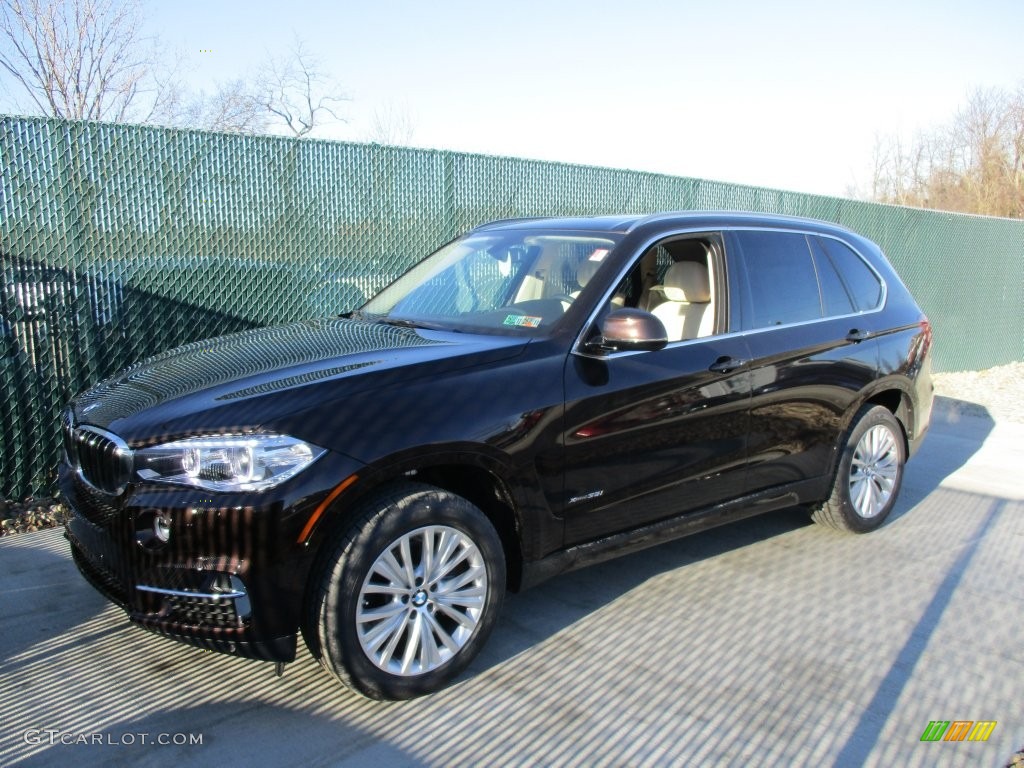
(652, 435)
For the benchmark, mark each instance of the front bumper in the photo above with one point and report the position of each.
(231, 575)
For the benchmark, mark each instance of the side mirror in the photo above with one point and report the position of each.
(630, 330)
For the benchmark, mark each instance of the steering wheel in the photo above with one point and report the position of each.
(565, 298)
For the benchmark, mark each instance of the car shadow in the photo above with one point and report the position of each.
(963, 428)
(531, 617)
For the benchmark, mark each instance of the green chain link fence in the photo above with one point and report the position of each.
(122, 241)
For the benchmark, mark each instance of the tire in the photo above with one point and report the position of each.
(869, 474)
(377, 621)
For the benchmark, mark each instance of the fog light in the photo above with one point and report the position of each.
(161, 528)
(153, 528)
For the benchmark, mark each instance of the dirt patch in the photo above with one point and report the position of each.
(31, 515)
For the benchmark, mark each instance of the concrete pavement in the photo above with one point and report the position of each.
(767, 642)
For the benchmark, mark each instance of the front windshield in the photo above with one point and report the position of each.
(505, 281)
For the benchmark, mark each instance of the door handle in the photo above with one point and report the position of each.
(856, 335)
(725, 364)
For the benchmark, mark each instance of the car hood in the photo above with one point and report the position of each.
(212, 384)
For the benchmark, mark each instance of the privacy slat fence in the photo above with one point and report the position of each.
(117, 242)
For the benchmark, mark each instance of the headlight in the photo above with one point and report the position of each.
(232, 463)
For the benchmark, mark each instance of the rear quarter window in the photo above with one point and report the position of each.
(862, 284)
(836, 299)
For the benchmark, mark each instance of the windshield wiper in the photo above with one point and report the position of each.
(402, 322)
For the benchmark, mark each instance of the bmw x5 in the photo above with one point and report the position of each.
(535, 396)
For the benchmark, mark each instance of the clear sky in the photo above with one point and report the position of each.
(778, 93)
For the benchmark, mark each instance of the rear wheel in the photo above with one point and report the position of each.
(869, 475)
(408, 596)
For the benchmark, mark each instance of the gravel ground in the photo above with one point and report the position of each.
(998, 390)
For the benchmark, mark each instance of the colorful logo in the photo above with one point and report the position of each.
(958, 730)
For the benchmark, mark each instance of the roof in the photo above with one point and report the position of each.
(627, 222)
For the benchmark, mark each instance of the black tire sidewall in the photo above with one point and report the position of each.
(409, 508)
(875, 416)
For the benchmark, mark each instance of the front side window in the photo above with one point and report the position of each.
(512, 281)
(675, 281)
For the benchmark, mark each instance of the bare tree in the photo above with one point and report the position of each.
(88, 60)
(392, 125)
(296, 92)
(975, 164)
(234, 107)
(80, 59)
(288, 94)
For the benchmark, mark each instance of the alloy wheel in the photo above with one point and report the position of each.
(874, 471)
(421, 600)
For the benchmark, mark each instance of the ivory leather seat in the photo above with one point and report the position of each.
(687, 309)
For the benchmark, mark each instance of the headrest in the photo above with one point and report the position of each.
(687, 281)
(586, 271)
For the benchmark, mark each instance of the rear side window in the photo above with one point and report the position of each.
(782, 283)
(861, 283)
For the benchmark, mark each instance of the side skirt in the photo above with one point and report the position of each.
(636, 539)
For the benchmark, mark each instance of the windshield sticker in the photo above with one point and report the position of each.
(523, 321)
(598, 254)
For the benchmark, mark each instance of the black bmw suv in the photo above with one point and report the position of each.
(536, 396)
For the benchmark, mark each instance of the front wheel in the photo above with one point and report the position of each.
(408, 596)
(869, 475)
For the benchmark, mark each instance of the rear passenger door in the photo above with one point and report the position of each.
(811, 349)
